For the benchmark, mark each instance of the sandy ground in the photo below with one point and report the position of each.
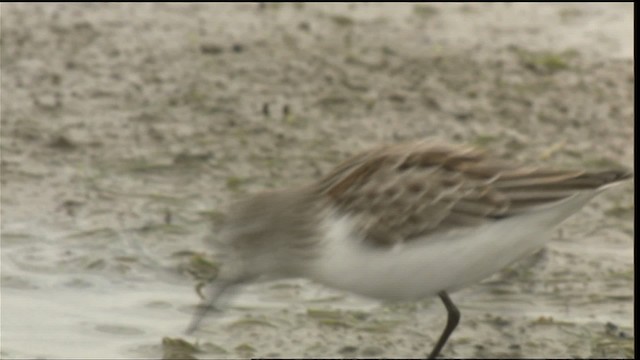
(127, 128)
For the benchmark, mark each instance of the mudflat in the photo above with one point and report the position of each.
(127, 130)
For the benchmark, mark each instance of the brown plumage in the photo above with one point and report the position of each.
(403, 192)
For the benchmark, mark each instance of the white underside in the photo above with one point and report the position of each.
(424, 267)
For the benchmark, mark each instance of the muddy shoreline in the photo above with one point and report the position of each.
(126, 130)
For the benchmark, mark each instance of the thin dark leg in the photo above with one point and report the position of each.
(453, 317)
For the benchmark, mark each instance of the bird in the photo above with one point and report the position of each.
(402, 222)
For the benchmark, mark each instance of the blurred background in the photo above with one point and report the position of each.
(127, 129)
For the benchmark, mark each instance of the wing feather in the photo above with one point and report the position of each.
(402, 192)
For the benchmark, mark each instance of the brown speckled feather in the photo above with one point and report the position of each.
(402, 192)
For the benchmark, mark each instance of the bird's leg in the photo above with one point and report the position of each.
(453, 317)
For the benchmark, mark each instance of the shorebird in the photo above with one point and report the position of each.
(402, 222)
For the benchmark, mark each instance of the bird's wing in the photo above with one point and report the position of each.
(402, 192)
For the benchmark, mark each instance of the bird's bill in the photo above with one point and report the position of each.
(211, 296)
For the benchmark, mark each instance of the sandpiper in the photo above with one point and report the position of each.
(402, 222)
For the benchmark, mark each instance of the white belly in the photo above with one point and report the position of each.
(424, 267)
